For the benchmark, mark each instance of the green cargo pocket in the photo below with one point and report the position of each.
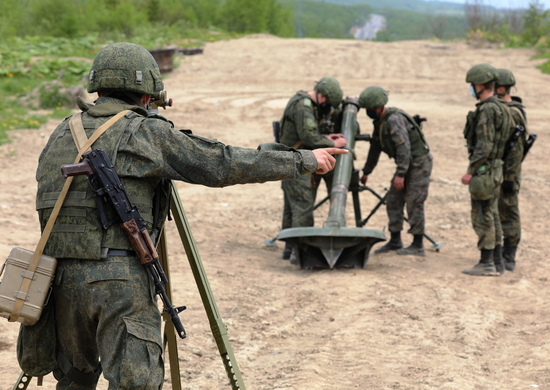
(142, 366)
(482, 184)
(112, 269)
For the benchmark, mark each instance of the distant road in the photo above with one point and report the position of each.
(374, 24)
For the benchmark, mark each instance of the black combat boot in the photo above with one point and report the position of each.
(498, 260)
(416, 248)
(287, 251)
(394, 244)
(509, 256)
(485, 267)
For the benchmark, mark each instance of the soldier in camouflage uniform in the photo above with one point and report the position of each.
(104, 299)
(487, 131)
(300, 129)
(508, 203)
(398, 135)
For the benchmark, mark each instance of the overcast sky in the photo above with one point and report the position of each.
(506, 3)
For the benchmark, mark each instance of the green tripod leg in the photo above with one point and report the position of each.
(170, 339)
(22, 382)
(219, 329)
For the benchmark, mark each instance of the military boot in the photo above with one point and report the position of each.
(485, 267)
(509, 256)
(415, 249)
(498, 260)
(394, 244)
(287, 251)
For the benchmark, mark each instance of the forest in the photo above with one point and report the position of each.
(47, 45)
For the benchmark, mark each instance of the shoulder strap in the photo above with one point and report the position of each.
(28, 275)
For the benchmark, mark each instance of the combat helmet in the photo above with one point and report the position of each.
(330, 88)
(481, 74)
(373, 97)
(505, 78)
(125, 67)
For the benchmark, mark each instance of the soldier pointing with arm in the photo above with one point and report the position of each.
(104, 308)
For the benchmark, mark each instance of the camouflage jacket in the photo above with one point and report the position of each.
(146, 152)
(397, 135)
(300, 124)
(486, 132)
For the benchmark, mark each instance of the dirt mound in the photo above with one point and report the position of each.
(399, 323)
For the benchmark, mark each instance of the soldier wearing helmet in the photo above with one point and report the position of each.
(102, 295)
(508, 203)
(302, 128)
(486, 132)
(400, 136)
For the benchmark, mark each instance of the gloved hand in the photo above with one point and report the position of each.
(507, 187)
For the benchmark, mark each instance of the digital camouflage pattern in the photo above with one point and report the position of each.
(116, 306)
(414, 195)
(396, 135)
(481, 74)
(330, 88)
(505, 78)
(300, 129)
(125, 67)
(108, 309)
(299, 199)
(373, 97)
(486, 132)
(488, 227)
(299, 124)
(508, 205)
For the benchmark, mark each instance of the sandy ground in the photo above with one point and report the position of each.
(402, 322)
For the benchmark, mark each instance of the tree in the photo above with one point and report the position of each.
(535, 23)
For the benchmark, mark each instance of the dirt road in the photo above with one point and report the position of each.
(399, 323)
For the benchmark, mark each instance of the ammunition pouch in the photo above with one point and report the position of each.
(481, 184)
(36, 344)
(487, 177)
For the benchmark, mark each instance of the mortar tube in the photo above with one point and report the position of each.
(342, 170)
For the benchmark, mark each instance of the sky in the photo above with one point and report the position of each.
(506, 3)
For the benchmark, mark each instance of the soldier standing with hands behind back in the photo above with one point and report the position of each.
(508, 203)
(398, 135)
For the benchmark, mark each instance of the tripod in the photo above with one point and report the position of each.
(218, 328)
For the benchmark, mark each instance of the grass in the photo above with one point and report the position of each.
(33, 70)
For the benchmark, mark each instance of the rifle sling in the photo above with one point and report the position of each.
(33, 264)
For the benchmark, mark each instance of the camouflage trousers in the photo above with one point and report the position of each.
(508, 210)
(485, 216)
(299, 199)
(415, 193)
(106, 310)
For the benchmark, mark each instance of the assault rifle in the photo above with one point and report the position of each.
(107, 186)
(513, 140)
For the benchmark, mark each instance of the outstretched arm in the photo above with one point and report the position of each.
(325, 160)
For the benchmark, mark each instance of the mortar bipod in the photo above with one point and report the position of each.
(335, 245)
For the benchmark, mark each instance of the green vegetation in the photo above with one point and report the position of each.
(511, 28)
(407, 25)
(326, 20)
(47, 45)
